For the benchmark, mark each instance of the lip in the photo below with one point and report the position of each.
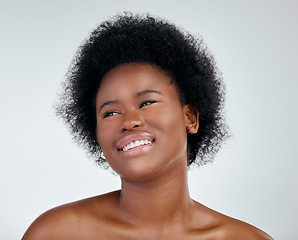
(134, 152)
(134, 137)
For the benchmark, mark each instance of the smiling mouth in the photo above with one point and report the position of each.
(136, 144)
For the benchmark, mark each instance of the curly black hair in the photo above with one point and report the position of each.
(135, 38)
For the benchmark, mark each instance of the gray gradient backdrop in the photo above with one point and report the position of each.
(253, 178)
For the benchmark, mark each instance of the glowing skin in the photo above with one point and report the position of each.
(140, 103)
(142, 129)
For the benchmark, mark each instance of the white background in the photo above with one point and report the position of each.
(253, 178)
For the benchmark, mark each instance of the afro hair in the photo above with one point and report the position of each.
(135, 38)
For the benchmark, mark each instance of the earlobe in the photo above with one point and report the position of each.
(191, 116)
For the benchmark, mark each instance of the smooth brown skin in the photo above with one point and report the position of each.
(154, 201)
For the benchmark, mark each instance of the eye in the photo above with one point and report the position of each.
(147, 102)
(109, 114)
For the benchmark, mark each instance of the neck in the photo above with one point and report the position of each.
(157, 202)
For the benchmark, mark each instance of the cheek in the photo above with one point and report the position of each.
(170, 121)
(103, 136)
(176, 131)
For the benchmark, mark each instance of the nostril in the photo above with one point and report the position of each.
(126, 129)
(131, 121)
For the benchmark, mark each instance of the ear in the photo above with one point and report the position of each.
(191, 118)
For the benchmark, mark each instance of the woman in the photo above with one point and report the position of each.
(144, 98)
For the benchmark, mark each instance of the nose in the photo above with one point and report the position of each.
(131, 121)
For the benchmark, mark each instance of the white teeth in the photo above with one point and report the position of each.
(136, 143)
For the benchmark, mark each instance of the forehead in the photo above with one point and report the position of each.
(134, 77)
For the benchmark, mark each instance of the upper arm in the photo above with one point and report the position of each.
(53, 224)
(39, 229)
(245, 231)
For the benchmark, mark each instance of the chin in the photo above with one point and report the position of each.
(141, 171)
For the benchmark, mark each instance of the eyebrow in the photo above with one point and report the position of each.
(137, 95)
(107, 103)
(148, 91)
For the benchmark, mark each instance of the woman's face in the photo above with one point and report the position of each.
(141, 125)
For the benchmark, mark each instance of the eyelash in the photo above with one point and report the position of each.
(147, 102)
(143, 104)
(109, 114)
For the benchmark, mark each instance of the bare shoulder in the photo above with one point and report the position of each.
(236, 229)
(224, 227)
(73, 220)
